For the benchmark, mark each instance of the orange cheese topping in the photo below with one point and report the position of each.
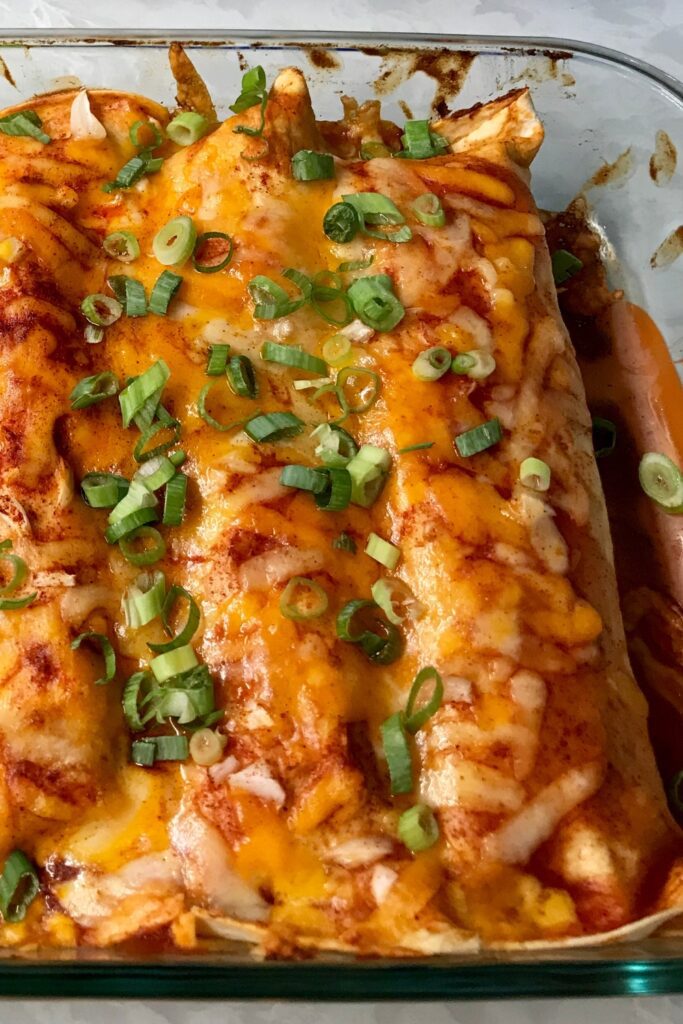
(502, 621)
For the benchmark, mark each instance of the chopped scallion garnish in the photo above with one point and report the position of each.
(122, 246)
(382, 551)
(187, 128)
(19, 884)
(24, 123)
(174, 500)
(534, 474)
(310, 166)
(303, 599)
(175, 242)
(662, 480)
(428, 210)
(397, 752)
(184, 635)
(418, 828)
(479, 438)
(212, 252)
(218, 360)
(375, 303)
(432, 364)
(107, 653)
(253, 92)
(565, 265)
(92, 390)
(165, 288)
(129, 541)
(273, 426)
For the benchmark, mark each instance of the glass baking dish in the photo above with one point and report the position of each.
(596, 105)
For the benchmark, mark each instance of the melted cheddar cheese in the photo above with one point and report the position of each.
(536, 764)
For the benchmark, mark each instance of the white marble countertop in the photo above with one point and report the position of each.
(650, 29)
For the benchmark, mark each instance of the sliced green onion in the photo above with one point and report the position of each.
(144, 600)
(187, 696)
(604, 437)
(273, 426)
(382, 644)
(428, 210)
(432, 364)
(183, 636)
(419, 143)
(165, 288)
(337, 492)
(303, 478)
(336, 349)
(206, 747)
(368, 470)
(136, 687)
(418, 828)
(371, 150)
(304, 384)
(103, 490)
(382, 551)
(342, 222)
(421, 446)
(13, 604)
(187, 128)
(19, 568)
(303, 599)
(662, 480)
(397, 753)
(310, 166)
(19, 573)
(173, 663)
(101, 310)
(134, 395)
(325, 299)
(349, 265)
(217, 255)
(175, 242)
(478, 439)
(122, 246)
(151, 129)
(374, 302)
(156, 472)
(159, 748)
(415, 719)
(290, 355)
(177, 458)
(174, 500)
(396, 600)
(344, 542)
(148, 555)
(218, 360)
(137, 496)
(564, 265)
(354, 372)
(129, 524)
(24, 123)
(345, 620)
(136, 299)
(142, 454)
(92, 390)
(477, 364)
(132, 171)
(535, 474)
(373, 208)
(335, 446)
(93, 335)
(171, 748)
(384, 647)
(241, 376)
(142, 752)
(253, 92)
(107, 653)
(206, 415)
(19, 884)
(271, 301)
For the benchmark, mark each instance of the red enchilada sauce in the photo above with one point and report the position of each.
(631, 379)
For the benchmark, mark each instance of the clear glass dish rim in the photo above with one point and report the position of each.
(289, 38)
(580, 973)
